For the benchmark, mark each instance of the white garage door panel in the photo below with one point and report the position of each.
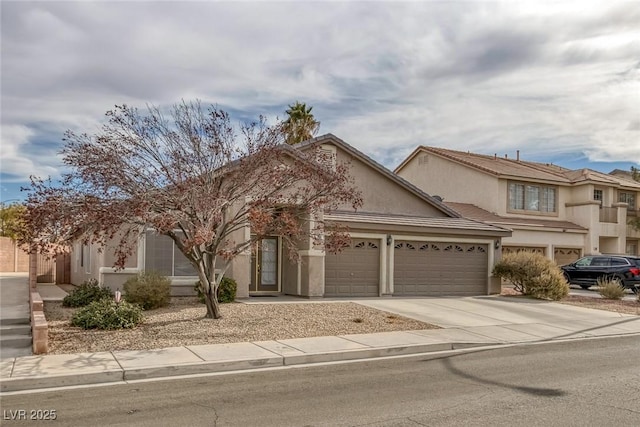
(439, 269)
(355, 271)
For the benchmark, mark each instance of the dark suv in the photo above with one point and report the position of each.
(587, 270)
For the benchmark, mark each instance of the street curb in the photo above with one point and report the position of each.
(149, 372)
(367, 353)
(209, 367)
(64, 380)
(122, 375)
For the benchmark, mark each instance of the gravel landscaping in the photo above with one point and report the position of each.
(182, 323)
(619, 306)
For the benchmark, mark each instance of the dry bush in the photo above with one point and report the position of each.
(610, 288)
(533, 274)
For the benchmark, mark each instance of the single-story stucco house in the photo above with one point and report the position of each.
(404, 242)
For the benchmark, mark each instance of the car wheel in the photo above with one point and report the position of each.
(566, 277)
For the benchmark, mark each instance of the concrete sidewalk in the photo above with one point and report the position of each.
(15, 318)
(38, 372)
(14, 296)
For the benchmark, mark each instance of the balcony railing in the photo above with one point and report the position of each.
(608, 214)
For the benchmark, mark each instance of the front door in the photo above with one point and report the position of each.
(264, 266)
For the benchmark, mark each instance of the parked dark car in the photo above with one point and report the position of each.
(586, 271)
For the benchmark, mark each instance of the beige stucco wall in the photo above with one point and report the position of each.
(580, 193)
(383, 195)
(588, 216)
(109, 258)
(632, 233)
(549, 240)
(289, 278)
(87, 271)
(101, 265)
(453, 182)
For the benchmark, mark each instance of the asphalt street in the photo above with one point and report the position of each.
(583, 382)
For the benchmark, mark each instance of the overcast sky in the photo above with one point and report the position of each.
(558, 81)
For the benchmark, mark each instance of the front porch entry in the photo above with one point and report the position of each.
(265, 266)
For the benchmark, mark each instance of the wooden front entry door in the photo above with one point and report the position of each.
(264, 266)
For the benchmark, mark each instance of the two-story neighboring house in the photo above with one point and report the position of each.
(559, 212)
(633, 211)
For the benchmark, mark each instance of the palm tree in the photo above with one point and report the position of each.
(301, 125)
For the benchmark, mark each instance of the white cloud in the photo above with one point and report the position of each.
(16, 166)
(485, 76)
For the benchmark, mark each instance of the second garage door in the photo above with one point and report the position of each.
(354, 272)
(439, 269)
(517, 249)
(563, 256)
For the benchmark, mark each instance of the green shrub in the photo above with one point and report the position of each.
(226, 290)
(610, 288)
(533, 274)
(149, 290)
(88, 292)
(107, 314)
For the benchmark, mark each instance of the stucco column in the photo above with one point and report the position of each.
(622, 227)
(312, 273)
(587, 214)
(495, 255)
(311, 262)
(240, 271)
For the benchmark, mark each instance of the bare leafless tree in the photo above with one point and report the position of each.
(191, 175)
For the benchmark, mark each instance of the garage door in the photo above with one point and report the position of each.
(563, 256)
(516, 249)
(354, 272)
(439, 269)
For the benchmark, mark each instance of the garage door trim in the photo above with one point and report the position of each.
(489, 242)
(383, 265)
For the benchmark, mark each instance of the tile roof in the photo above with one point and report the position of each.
(590, 175)
(622, 173)
(501, 166)
(426, 222)
(474, 212)
(515, 168)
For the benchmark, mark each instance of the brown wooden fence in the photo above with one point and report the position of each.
(63, 269)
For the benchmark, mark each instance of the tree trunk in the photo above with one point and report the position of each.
(211, 301)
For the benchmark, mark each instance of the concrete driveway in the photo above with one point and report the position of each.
(464, 312)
